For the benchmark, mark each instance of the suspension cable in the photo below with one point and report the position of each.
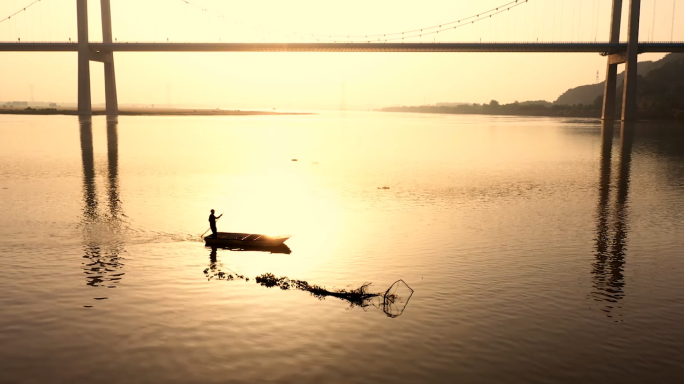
(416, 32)
(598, 13)
(653, 22)
(19, 11)
(454, 27)
(674, 3)
(476, 16)
(579, 23)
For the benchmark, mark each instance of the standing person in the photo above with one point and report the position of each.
(212, 223)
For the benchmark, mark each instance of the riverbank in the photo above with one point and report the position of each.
(508, 112)
(146, 112)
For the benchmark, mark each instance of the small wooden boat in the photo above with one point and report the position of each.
(244, 240)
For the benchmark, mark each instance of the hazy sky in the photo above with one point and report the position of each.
(305, 80)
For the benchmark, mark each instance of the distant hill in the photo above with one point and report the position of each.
(536, 102)
(587, 94)
(660, 93)
(449, 104)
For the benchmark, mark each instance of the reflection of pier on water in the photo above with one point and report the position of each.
(611, 241)
(103, 245)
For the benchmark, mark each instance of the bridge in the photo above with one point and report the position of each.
(617, 52)
(604, 48)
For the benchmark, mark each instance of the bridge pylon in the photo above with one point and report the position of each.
(86, 55)
(609, 91)
(629, 98)
(628, 57)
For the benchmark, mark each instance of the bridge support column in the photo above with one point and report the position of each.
(109, 76)
(609, 91)
(629, 98)
(84, 105)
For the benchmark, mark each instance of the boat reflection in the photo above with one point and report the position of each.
(103, 247)
(215, 269)
(282, 248)
(212, 271)
(611, 243)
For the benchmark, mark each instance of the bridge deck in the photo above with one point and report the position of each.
(599, 47)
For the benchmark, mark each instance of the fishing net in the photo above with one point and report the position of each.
(396, 298)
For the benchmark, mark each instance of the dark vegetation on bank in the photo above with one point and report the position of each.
(494, 108)
(660, 95)
(586, 94)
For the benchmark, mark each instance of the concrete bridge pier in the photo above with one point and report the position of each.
(608, 112)
(86, 55)
(109, 76)
(84, 104)
(629, 99)
(629, 57)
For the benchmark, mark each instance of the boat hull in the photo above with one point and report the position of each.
(244, 240)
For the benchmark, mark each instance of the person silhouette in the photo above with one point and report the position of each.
(212, 223)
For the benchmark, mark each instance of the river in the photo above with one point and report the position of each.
(538, 249)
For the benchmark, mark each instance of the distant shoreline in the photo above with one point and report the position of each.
(147, 112)
(537, 113)
(547, 112)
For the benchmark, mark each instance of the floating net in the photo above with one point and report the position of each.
(396, 298)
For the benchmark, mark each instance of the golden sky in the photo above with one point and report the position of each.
(316, 80)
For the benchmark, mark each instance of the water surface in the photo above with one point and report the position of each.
(539, 249)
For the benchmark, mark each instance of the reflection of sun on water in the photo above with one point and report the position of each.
(284, 200)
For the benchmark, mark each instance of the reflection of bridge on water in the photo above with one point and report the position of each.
(102, 248)
(611, 241)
